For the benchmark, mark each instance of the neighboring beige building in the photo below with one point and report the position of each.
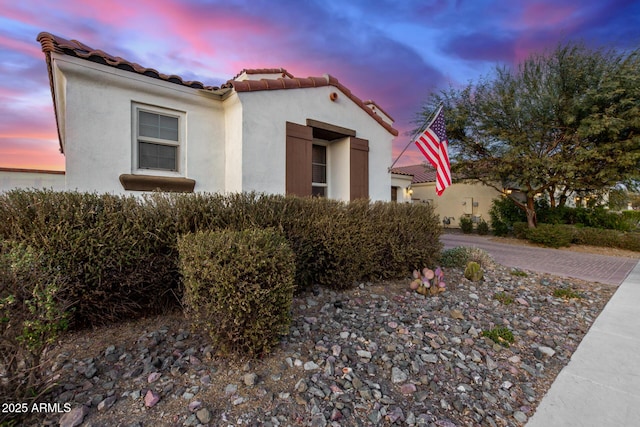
(470, 198)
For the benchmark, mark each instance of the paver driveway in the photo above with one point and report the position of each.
(605, 269)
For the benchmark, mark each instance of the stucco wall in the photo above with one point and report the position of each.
(265, 114)
(98, 130)
(11, 179)
(459, 199)
(231, 143)
(402, 182)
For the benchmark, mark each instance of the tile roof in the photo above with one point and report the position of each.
(422, 173)
(298, 83)
(281, 71)
(51, 43)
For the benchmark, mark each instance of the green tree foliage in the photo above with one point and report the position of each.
(562, 121)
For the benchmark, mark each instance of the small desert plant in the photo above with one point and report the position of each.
(518, 273)
(504, 298)
(460, 256)
(565, 293)
(473, 271)
(500, 335)
(428, 282)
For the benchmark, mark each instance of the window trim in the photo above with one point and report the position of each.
(136, 139)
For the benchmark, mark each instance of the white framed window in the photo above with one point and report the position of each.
(319, 182)
(159, 142)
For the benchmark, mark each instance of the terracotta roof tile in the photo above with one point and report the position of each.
(422, 173)
(281, 71)
(376, 106)
(51, 43)
(298, 82)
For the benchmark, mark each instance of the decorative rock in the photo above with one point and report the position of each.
(195, 405)
(377, 345)
(491, 364)
(520, 416)
(106, 403)
(506, 385)
(364, 354)
(311, 366)
(204, 416)
(74, 417)
(250, 379)
(398, 375)
(457, 314)
(543, 352)
(153, 377)
(408, 388)
(151, 398)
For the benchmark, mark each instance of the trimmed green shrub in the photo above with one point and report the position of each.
(33, 312)
(632, 218)
(504, 213)
(520, 230)
(113, 252)
(466, 224)
(483, 228)
(119, 256)
(553, 236)
(630, 242)
(239, 286)
(401, 237)
(606, 238)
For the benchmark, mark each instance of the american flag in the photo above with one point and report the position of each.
(433, 145)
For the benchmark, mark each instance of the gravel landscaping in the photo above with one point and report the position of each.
(378, 354)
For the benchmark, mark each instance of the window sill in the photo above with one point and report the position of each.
(151, 183)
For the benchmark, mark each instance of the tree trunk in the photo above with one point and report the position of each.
(531, 212)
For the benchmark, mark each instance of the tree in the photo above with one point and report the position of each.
(561, 122)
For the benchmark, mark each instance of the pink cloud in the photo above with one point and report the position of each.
(31, 151)
(20, 47)
(546, 15)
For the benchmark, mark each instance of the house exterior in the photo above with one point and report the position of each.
(468, 198)
(124, 128)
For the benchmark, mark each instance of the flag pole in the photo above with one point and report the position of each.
(415, 134)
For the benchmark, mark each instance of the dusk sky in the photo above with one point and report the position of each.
(395, 52)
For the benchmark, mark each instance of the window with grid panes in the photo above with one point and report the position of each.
(319, 170)
(158, 141)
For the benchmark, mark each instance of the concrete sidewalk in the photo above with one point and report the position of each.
(600, 386)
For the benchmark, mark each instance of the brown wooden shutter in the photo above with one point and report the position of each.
(298, 163)
(359, 168)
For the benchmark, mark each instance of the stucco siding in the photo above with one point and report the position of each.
(99, 135)
(11, 179)
(265, 114)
